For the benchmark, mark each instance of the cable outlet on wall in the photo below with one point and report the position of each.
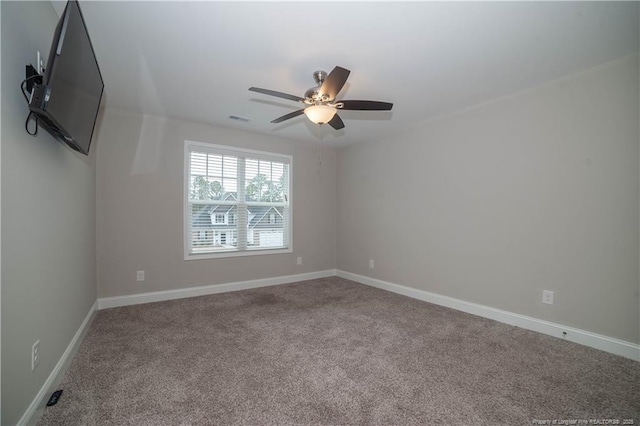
(547, 297)
(299, 261)
(35, 355)
(371, 263)
(140, 276)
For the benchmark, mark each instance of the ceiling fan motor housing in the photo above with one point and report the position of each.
(313, 93)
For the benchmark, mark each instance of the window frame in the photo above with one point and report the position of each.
(190, 146)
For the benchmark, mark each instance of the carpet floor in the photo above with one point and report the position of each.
(332, 352)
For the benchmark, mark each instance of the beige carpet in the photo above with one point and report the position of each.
(331, 352)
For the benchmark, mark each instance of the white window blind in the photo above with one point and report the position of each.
(236, 201)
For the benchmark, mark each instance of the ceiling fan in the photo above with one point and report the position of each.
(321, 104)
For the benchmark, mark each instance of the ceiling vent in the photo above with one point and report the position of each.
(239, 118)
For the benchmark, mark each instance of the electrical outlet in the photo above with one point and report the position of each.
(39, 63)
(547, 297)
(35, 355)
(140, 276)
(299, 260)
(371, 263)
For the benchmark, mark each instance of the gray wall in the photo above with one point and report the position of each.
(48, 223)
(140, 207)
(539, 190)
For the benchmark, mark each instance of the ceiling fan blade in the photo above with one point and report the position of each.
(336, 122)
(288, 116)
(277, 94)
(334, 82)
(366, 105)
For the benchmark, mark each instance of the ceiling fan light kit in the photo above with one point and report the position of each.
(320, 114)
(322, 107)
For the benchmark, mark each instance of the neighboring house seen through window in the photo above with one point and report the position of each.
(236, 201)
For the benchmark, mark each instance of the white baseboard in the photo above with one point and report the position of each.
(37, 406)
(587, 338)
(159, 296)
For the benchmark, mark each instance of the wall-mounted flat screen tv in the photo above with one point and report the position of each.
(66, 103)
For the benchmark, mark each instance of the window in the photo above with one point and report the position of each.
(237, 202)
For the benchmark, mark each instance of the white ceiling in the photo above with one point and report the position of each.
(196, 60)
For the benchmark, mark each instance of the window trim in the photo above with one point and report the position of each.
(254, 154)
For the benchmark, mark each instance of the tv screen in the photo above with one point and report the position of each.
(67, 102)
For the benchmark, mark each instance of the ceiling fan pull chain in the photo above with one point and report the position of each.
(319, 154)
